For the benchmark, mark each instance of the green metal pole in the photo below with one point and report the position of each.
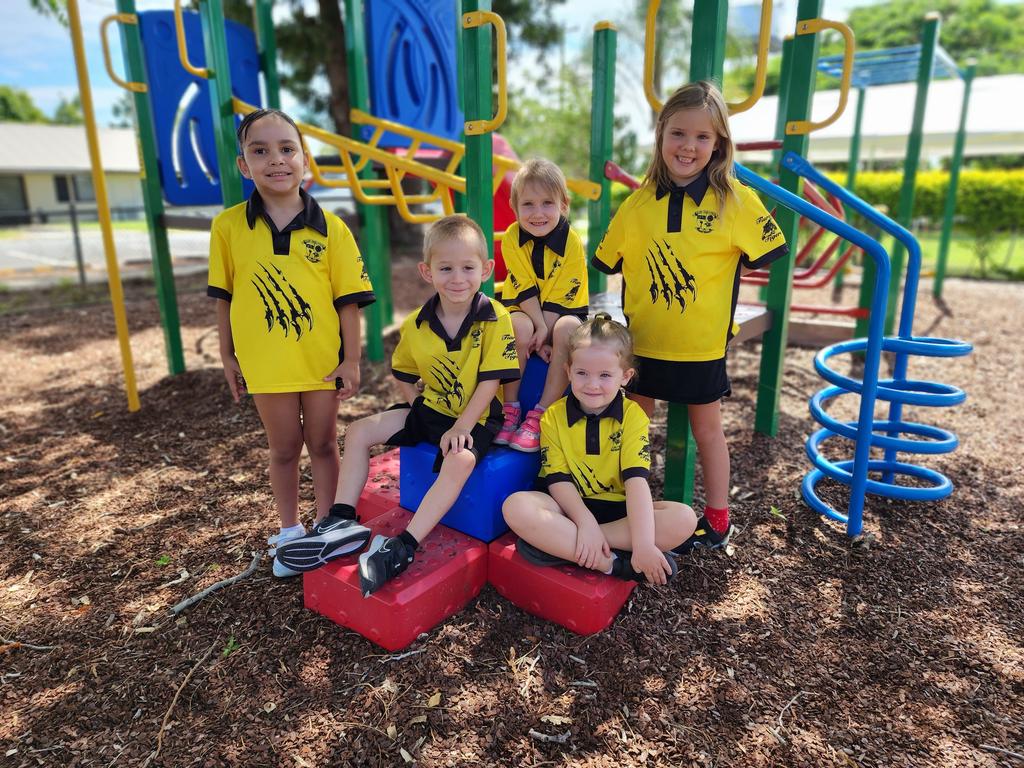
(152, 194)
(905, 211)
(476, 96)
(374, 241)
(602, 118)
(707, 58)
(954, 181)
(780, 281)
(460, 86)
(852, 167)
(785, 72)
(211, 13)
(264, 19)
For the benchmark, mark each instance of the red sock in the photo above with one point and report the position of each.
(718, 519)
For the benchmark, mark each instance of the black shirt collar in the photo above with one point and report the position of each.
(555, 239)
(311, 215)
(574, 412)
(481, 310)
(696, 189)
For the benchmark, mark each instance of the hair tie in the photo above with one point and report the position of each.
(603, 316)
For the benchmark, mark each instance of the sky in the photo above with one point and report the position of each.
(37, 56)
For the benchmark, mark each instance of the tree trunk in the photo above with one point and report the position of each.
(336, 65)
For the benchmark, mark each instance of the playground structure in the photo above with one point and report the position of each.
(484, 173)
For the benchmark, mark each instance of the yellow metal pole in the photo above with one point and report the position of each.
(99, 184)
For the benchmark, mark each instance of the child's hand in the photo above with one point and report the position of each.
(350, 376)
(233, 373)
(539, 337)
(591, 544)
(544, 353)
(649, 561)
(455, 439)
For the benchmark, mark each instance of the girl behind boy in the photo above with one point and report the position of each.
(546, 291)
(681, 243)
(289, 283)
(595, 459)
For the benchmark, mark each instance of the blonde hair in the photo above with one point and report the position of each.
(699, 95)
(544, 174)
(455, 227)
(602, 329)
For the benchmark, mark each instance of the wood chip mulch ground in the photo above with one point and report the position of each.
(797, 648)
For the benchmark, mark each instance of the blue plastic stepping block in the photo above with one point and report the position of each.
(477, 512)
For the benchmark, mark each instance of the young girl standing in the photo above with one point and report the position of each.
(289, 283)
(681, 242)
(595, 459)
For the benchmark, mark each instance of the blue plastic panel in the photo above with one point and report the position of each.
(182, 115)
(477, 512)
(410, 48)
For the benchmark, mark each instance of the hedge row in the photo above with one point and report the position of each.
(987, 201)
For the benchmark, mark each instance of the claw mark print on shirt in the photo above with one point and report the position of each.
(769, 229)
(574, 288)
(586, 480)
(272, 291)
(314, 250)
(662, 271)
(448, 377)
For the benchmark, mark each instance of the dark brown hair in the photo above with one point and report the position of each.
(259, 114)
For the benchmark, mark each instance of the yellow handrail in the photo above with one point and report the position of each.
(477, 19)
(124, 18)
(649, 38)
(810, 27)
(761, 71)
(179, 29)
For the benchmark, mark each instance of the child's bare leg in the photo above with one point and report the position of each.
(673, 524)
(455, 471)
(522, 325)
(359, 438)
(647, 403)
(537, 518)
(320, 433)
(706, 423)
(556, 381)
(282, 422)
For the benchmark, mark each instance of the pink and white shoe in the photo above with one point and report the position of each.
(508, 428)
(527, 437)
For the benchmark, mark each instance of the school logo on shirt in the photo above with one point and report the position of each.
(515, 283)
(769, 229)
(283, 305)
(362, 269)
(574, 288)
(645, 449)
(544, 457)
(670, 282)
(705, 220)
(447, 377)
(616, 440)
(314, 250)
(509, 352)
(475, 336)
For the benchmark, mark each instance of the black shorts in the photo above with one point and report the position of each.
(605, 511)
(692, 383)
(425, 425)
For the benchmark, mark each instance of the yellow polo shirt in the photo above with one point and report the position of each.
(680, 256)
(285, 289)
(552, 268)
(484, 348)
(597, 453)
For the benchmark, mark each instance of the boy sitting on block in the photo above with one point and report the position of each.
(461, 344)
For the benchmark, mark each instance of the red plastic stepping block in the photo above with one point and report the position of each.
(578, 599)
(380, 494)
(450, 570)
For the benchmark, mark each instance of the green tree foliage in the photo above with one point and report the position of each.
(69, 112)
(123, 111)
(990, 31)
(16, 106)
(56, 9)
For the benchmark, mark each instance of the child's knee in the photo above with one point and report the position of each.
(321, 446)
(515, 508)
(676, 518)
(459, 465)
(564, 326)
(286, 451)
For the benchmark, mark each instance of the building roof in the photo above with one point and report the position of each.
(994, 127)
(39, 148)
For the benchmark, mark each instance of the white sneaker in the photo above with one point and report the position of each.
(279, 569)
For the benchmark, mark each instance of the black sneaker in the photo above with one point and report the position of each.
(704, 536)
(331, 538)
(622, 567)
(534, 556)
(387, 557)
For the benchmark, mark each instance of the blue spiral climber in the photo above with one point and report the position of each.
(894, 434)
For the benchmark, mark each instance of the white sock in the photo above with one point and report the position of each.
(513, 405)
(292, 532)
(611, 564)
